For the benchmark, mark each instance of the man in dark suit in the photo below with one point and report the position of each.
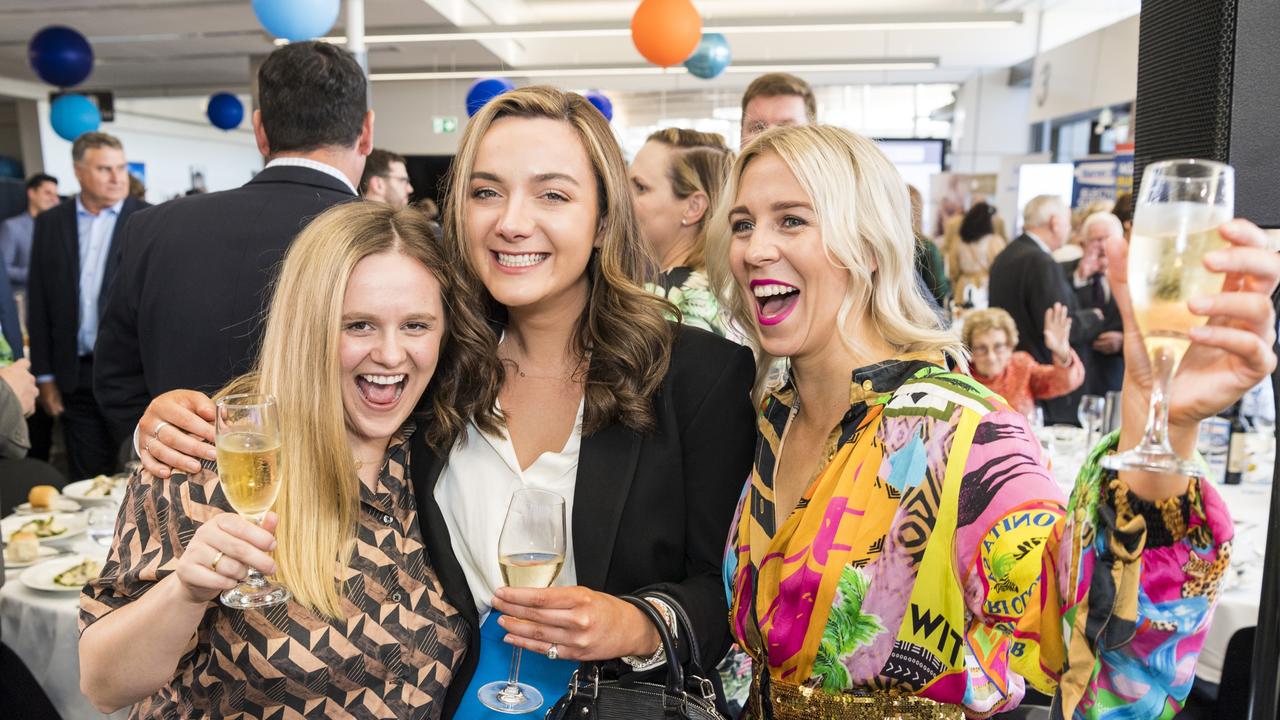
(72, 264)
(1102, 352)
(1026, 281)
(195, 273)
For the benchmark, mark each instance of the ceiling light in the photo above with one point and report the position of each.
(640, 70)
(763, 25)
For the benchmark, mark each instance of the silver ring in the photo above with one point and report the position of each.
(156, 433)
(552, 652)
(146, 446)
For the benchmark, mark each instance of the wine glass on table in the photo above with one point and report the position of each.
(1090, 415)
(1175, 224)
(247, 437)
(531, 552)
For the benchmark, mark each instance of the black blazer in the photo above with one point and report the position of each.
(1103, 372)
(9, 322)
(53, 289)
(650, 512)
(195, 276)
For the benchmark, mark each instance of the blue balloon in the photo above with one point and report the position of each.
(296, 20)
(602, 103)
(710, 58)
(60, 56)
(73, 116)
(225, 111)
(10, 168)
(484, 90)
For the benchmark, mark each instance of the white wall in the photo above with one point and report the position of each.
(172, 137)
(990, 123)
(403, 111)
(1095, 71)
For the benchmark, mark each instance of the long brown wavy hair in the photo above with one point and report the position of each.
(319, 500)
(623, 330)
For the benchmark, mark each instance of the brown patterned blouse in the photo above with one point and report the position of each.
(391, 656)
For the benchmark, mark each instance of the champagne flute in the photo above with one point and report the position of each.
(1175, 224)
(531, 552)
(247, 429)
(1090, 414)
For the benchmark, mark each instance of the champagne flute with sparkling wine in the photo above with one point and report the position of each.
(247, 432)
(1175, 224)
(531, 552)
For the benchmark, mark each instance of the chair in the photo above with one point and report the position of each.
(19, 476)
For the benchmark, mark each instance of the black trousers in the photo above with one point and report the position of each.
(93, 442)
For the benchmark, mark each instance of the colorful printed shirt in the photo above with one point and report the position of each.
(691, 293)
(391, 655)
(933, 555)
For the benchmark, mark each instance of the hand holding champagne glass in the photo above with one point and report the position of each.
(247, 429)
(1179, 209)
(531, 553)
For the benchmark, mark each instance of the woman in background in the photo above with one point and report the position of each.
(991, 336)
(969, 261)
(676, 182)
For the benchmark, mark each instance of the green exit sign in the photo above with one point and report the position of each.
(444, 124)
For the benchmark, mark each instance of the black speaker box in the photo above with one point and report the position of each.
(1209, 87)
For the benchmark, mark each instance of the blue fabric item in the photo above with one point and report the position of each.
(551, 677)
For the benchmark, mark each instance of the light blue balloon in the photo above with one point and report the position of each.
(710, 58)
(296, 20)
(73, 116)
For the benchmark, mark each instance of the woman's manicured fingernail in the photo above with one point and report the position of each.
(1200, 333)
(1199, 305)
(1215, 258)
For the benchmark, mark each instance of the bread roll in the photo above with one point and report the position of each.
(43, 497)
(23, 547)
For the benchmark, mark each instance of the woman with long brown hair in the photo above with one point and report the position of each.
(644, 427)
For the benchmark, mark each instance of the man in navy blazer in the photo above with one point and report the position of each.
(195, 273)
(10, 326)
(72, 264)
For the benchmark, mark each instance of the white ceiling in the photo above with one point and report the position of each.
(167, 47)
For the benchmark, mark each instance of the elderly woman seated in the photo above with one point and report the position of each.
(991, 337)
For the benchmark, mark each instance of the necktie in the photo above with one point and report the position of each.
(1097, 295)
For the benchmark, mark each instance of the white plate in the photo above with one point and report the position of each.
(40, 577)
(46, 552)
(61, 505)
(76, 491)
(74, 523)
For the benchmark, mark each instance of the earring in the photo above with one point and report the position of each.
(683, 222)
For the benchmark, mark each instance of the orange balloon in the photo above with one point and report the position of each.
(666, 32)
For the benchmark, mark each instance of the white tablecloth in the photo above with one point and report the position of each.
(41, 628)
(1250, 505)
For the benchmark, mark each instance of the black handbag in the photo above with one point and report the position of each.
(685, 696)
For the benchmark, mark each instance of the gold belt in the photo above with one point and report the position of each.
(793, 702)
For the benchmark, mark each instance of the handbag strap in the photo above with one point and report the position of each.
(695, 654)
(675, 673)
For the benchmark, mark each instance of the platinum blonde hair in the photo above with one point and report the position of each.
(864, 214)
(1102, 218)
(1041, 208)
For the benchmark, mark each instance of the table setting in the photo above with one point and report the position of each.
(54, 544)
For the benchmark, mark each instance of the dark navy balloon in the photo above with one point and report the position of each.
(711, 57)
(602, 103)
(225, 111)
(60, 56)
(484, 90)
(73, 115)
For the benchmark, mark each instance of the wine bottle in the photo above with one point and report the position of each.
(1236, 458)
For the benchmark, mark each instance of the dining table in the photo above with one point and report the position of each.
(42, 629)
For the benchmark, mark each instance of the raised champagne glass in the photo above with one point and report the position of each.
(531, 553)
(1175, 224)
(247, 431)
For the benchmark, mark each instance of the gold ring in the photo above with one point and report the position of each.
(214, 565)
(156, 433)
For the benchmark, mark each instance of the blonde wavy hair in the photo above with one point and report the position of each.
(700, 163)
(319, 500)
(865, 217)
(980, 321)
(623, 329)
